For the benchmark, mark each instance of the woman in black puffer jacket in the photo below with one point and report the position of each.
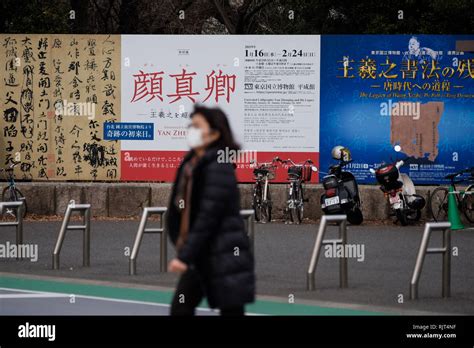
(204, 223)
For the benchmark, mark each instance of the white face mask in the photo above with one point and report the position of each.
(194, 137)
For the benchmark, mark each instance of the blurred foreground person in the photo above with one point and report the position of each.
(204, 223)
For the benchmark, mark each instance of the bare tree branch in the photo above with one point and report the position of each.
(257, 9)
(230, 27)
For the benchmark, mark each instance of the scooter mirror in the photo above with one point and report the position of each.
(314, 168)
(397, 148)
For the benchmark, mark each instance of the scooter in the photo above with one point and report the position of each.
(405, 204)
(341, 192)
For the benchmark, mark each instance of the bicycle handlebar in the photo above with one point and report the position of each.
(10, 167)
(289, 160)
(266, 164)
(453, 176)
(278, 159)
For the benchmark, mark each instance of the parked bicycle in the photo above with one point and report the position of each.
(297, 175)
(262, 200)
(11, 193)
(464, 199)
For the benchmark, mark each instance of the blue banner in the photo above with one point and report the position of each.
(128, 131)
(378, 91)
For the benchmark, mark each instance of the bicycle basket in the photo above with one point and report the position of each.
(307, 171)
(264, 171)
(295, 171)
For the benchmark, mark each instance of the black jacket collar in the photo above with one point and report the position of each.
(209, 155)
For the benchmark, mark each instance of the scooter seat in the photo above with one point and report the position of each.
(395, 185)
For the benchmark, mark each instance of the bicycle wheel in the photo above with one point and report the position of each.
(10, 194)
(300, 206)
(267, 207)
(257, 201)
(468, 204)
(295, 205)
(439, 204)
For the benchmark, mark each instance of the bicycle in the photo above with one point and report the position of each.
(11, 193)
(262, 201)
(297, 175)
(465, 199)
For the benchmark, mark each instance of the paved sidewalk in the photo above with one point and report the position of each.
(282, 258)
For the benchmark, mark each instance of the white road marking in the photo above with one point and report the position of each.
(14, 296)
(44, 294)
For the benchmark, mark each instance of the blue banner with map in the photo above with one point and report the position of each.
(378, 91)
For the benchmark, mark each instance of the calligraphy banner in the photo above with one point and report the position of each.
(57, 92)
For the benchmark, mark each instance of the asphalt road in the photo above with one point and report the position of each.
(282, 256)
(14, 302)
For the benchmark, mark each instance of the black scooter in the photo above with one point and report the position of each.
(341, 194)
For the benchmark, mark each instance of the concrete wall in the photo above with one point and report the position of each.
(128, 199)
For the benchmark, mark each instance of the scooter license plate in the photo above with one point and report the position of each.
(331, 201)
(394, 199)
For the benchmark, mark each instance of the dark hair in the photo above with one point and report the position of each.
(218, 121)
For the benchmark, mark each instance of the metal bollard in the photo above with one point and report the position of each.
(18, 223)
(445, 250)
(341, 221)
(248, 215)
(85, 208)
(147, 212)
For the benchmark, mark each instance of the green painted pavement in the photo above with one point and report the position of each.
(164, 297)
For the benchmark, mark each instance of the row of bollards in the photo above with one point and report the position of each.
(85, 227)
(247, 215)
(340, 221)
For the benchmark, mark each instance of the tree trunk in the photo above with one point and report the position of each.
(128, 21)
(80, 22)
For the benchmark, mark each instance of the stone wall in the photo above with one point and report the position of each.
(128, 199)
